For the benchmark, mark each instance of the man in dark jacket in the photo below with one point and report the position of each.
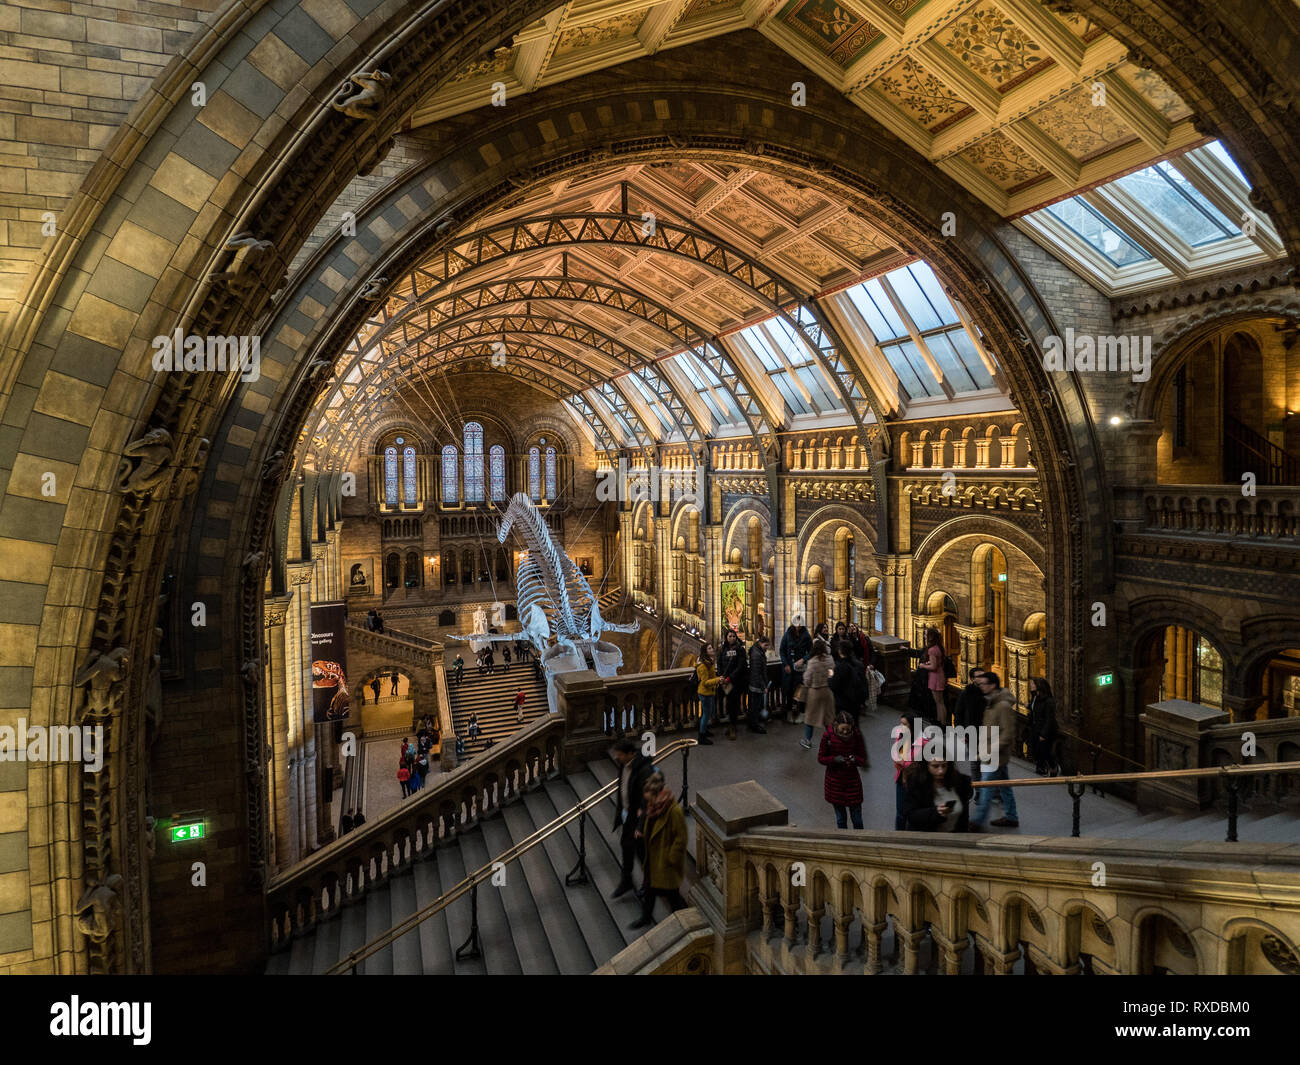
(796, 646)
(732, 666)
(970, 703)
(634, 770)
(848, 682)
(757, 683)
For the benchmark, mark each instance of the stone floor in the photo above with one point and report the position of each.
(380, 789)
(794, 776)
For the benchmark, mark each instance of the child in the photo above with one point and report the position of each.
(844, 755)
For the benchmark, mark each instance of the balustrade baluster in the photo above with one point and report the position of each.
(814, 945)
(873, 936)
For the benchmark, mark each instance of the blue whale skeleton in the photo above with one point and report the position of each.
(555, 600)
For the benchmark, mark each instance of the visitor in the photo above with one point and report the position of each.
(757, 684)
(345, 823)
(796, 645)
(937, 797)
(908, 756)
(841, 634)
(732, 664)
(361, 691)
(404, 778)
(634, 770)
(488, 660)
(860, 644)
(359, 819)
(505, 659)
(932, 659)
(848, 682)
(371, 623)
(406, 748)
(458, 669)
(1042, 726)
(844, 754)
(706, 688)
(819, 706)
(999, 713)
(394, 680)
(665, 849)
(379, 621)
(823, 633)
(420, 771)
(374, 687)
(970, 702)
(473, 727)
(520, 699)
(460, 746)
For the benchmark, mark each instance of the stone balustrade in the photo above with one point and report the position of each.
(593, 707)
(1272, 513)
(341, 873)
(789, 900)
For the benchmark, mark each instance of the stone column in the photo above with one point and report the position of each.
(302, 748)
(950, 952)
(284, 799)
(974, 646)
(784, 582)
(896, 586)
(721, 893)
(1020, 664)
(711, 593)
(837, 608)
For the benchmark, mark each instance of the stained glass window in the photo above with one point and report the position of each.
(449, 471)
(408, 475)
(473, 462)
(534, 474)
(390, 475)
(497, 472)
(550, 474)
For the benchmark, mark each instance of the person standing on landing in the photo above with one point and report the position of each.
(520, 699)
(844, 754)
(820, 705)
(932, 661)
(757, 683)
(796, 646)
(706, 688)
(732, 663)
(999, 713)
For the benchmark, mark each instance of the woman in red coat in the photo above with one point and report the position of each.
(844, 755)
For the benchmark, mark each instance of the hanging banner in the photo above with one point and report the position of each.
(329, 663)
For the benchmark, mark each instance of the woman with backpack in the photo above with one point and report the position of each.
(848, 682)
(707, 681)
(844, 754)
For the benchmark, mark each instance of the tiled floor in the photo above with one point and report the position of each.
(382, 792)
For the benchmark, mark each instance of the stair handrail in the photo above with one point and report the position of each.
(1079, 783)
(471, 882)
(398, 635)
(1274, 457)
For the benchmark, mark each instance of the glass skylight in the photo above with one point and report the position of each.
(1168, 195)
(1089, 224)
(789, 363)
(707, 386)
(1216, 149)
(910, 317)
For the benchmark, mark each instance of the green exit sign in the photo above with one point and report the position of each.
(180, 833)
(1104, 679)
(1002, 576)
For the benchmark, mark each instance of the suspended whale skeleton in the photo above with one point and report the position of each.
(555, 600)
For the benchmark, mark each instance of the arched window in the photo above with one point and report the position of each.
(449, 471)
(390, 475)
(408, 476)
(534, 474)
(550, 474)
(497, 472)
(473, 462)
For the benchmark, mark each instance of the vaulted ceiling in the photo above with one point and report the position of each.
(633, 292)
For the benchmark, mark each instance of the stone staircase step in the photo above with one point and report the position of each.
(547, 889)
(379, 919)
(435, 944)
(352, 933)
(451, 871)
(599, 928)
(406, 950)
(498, 937)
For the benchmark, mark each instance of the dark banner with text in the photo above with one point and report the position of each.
(329, 662)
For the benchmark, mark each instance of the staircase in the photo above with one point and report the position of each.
(609, 600)
(1246, 450)
(492, 698)
(532, 924)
